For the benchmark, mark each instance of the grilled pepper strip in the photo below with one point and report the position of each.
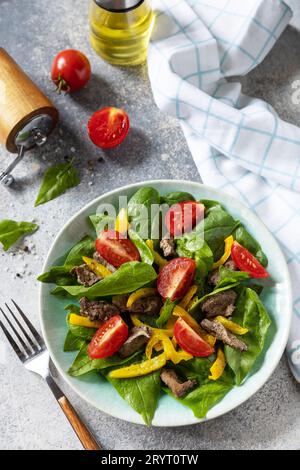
(137, 370)
(218, 366)
(227, 252)
(96, 267)
(188, 296)
(158, 259)
(122, 224)
(144, 292)
(78, 320)
(180, 312)
(231, 326)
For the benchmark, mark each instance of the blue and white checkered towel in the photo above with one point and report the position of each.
(238, 143)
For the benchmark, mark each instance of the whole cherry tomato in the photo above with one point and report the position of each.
(71, 70)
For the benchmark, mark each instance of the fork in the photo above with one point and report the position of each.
(33, 353)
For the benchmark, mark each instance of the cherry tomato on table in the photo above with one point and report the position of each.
(182, 217)
(190, 341)
(245, 261)
(116, 249)
(108, 127)
(176, 277)
(109, 338)
(71, 70)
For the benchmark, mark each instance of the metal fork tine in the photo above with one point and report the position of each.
(27, 350)
(29, 325)
(14, 345)
(34, 346)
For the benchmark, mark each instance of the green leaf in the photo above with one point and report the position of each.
(249, 313)
(83, 363)
(72, 308)
(102, 222)
(140, 219)
(57, 180)
(227, 276)
(73, 343)
(210, 205)
(60, 275)
(145, 252)
(80, 331)
(11, 231)
(242, 236)
(176, 197)
(165, 313)
(142, 393)
(197, 368)
(128, 278)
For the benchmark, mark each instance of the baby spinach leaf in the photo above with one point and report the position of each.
(128, 278)
(57, 180)
(249, 313)
(242, 236)
(11, 231)
(81, 332)
(227, 276)
(139, 210)
(102, 222)
(196, 368)
(142, 393)
(72, 308)
(176, 197)
(73, 343)
(60, 275)
(210, 205)
(206, 395)
(145, 252)
(165, 313)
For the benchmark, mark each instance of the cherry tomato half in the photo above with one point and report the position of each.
(182, 217)
(190, 341)
(109, 338)
(108, 127)
(245, 261)
(71, 70)
(176, 277)
(116, 249)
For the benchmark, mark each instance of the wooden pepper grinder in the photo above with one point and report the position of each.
(27, 117)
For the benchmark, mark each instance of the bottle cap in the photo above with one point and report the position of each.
(118, 5)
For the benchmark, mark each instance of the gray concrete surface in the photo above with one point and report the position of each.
(155, 148)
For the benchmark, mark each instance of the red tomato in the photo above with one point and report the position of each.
(109, 338)
(245, 261)
(108, 127)
(116, 249)
(71, 70)
(176, 277)
(182, 217)
(190, 341)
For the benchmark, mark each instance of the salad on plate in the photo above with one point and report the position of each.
(165, 298)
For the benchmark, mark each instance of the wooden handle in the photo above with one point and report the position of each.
(84, 435)
(20, 100)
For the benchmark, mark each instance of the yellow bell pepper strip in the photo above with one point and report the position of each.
(218, 366)
(180, 312)
(192, 302)
(174, 342)
(231, 326)
(78, 320)
(158, 259)
(158, 347)
(122, 224)
(96, 267)
(188, 296)
(153, 341)
(137, 370)
(228, 244)
(144, 292)
(137, 322)
(172, 354)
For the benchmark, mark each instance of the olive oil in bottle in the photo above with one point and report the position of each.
(120, 30)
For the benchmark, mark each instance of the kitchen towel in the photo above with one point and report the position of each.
(239, 144)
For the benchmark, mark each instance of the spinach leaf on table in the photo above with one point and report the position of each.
(11, 231)
(139, 210)
(73, 343)
(249, 313)
(128, 278)
(144, 250)
(176, 197)
(229, 277)
(165, 313)
(60, 275)
(57, 180)
(242, 236)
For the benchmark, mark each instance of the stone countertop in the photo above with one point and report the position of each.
(155, 149)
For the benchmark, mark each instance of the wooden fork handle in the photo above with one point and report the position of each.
(84, 435)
